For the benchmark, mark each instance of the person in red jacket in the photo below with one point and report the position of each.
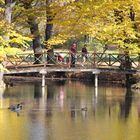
(73, 51)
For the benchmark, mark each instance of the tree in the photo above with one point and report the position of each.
(78, 18)
(34, 29)
(9, 37)
(48, 31)
(98, 19)
(11, 41)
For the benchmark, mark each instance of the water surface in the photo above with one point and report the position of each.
(70, 111)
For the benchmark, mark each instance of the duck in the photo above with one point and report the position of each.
(16, 108)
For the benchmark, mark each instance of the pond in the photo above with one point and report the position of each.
(69, 110)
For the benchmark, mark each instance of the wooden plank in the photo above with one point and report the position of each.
(28, 66)
(50, 69)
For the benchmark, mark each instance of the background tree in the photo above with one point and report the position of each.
(69, 19)
(10, 38)
(11, 41)
(98, 19)
(49, 30)
(31, 19)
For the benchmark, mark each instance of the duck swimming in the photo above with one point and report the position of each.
(16, 108)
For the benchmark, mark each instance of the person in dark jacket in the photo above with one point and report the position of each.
(84, 53)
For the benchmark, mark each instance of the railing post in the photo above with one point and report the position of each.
(43, 56)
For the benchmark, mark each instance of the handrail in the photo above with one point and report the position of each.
(63, 58)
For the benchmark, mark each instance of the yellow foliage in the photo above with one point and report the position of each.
(72, 18)
(2, 68)
(12, 51)
(99, 20)
(60, 39)
(2, 1)
(2, 54)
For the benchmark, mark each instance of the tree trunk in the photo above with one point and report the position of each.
(35, 33)
(9, 4)
(36, 40)
(8, 10)
(48, 32)
(132, 17)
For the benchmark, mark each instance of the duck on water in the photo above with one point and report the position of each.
(16, 108)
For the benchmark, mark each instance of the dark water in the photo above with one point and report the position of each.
(70, 111)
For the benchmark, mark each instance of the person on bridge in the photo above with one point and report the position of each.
(84, 53)
(73, 52)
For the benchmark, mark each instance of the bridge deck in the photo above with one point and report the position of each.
(41, 69)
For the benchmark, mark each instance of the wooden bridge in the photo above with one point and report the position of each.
(60, 62)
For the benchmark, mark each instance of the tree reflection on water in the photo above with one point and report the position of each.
(125, 106)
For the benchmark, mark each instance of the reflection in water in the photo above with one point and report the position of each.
(70, 112)
(125, 106)
(2, 89)
(60, 97)
(50, 92)
(96, 91)
(73, 112)
(95, 100)
(50, 96)
(138, 105)
(37, 90)
(40, 96)
(84, 114)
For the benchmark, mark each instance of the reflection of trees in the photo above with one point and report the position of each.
(44, 98)
(73, 111)
(37, 90)
(74, 101)
(50, 96)
(60, 96)
(126, 105)
(59, 82)
(50, 92)
(2, 91)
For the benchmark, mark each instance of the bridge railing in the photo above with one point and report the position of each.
(63, 59)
